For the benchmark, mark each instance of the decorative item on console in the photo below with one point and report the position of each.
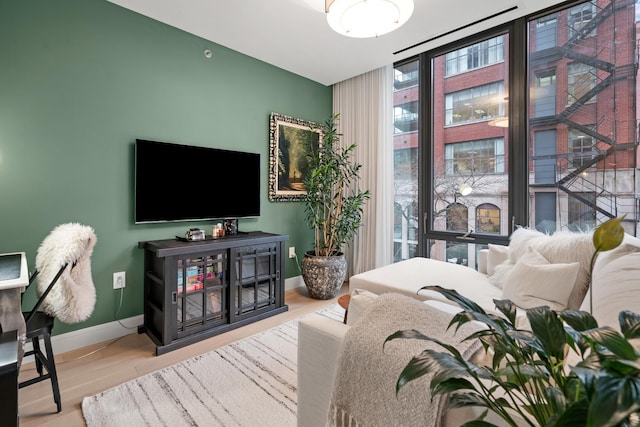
(217, 231)
(230, 226)
(194, 234)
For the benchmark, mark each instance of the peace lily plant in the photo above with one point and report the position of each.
(528, 382)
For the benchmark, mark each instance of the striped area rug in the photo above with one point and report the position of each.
(251, 382)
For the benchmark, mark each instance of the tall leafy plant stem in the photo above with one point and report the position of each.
(334, 202)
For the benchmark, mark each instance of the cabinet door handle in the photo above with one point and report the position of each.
(174, 297)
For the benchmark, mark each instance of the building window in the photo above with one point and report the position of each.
(474, 104)
(581, 149)
(457, 217)
(546, 78)
(458, 253)
(582, 211)
(405, 76)
(581, 79)
(544, 95)
(481, 156)
(488, 218)
(546, 31)
(405, 163)
(475, 56)
(579, 17)
(405, 117)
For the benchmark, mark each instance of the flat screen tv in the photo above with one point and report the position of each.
(175, 182)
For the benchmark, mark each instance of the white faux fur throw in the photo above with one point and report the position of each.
(73, 297)
(364, 389)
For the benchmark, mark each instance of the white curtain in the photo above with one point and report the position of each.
(365, 106)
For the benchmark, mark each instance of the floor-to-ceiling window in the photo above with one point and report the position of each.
(587, 142)
(405, 159)
(529, 124)
(466, 143)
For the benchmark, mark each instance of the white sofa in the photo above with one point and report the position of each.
(528, 271)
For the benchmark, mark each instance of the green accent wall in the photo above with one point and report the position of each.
(80, 80)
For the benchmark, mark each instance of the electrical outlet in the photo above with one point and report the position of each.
(119, 280)
(292, 252)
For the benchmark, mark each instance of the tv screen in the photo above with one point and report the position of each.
(175, 182)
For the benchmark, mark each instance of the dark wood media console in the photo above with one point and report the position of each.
(195, 290)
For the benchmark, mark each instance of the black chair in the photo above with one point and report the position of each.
(39, 325)
(66, 293)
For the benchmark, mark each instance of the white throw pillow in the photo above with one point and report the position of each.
(496, 256)
(533, 282)
(560, 247)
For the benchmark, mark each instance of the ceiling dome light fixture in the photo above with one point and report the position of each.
(367, 18)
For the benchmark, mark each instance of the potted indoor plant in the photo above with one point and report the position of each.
(333, 209)
(528, 382)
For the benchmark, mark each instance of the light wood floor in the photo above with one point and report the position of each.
(93, 369)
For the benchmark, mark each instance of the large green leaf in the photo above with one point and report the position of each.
(590, 363)
(629, 324)
(453, 295)
(524, 371)
(461, 400)
(548, 328)
(497, 324)
(452, 384)
(406, 334)
(579, 320)
(430, 362)
(576, 341)
(528, 339)
(478, 423)
(417, 367)
(574, 415)
(555, 400)
(619, 367)
(508, 308)
(613, 341)
(614, 400)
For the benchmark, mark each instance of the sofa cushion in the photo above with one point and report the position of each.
(496, 256)
(360, 300)
(408, 276)
(615, 287)
(629, 245)
(560, 247)
(534, 281)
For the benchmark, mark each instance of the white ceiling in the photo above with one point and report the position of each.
(294, 34)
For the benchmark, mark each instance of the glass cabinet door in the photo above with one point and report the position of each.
(201, 292)
(254, 276)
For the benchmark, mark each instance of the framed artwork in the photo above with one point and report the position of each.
(290, 140)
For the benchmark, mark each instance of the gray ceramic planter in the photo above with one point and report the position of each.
(323, 275)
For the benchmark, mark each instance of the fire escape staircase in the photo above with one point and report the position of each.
(576, 178)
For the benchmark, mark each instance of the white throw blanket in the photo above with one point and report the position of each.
(73, 298)
(364, 390)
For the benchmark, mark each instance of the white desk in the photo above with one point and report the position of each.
(14, 276)
(13, 270)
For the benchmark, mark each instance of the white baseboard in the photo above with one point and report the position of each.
(293, 282)
(92, 335)
(108, 331)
